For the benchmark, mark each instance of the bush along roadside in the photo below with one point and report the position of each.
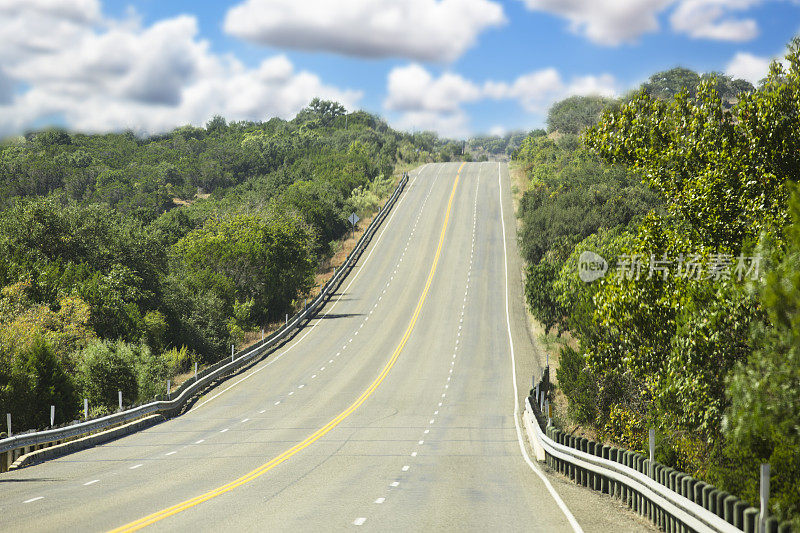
(732, 509)
(684, 300)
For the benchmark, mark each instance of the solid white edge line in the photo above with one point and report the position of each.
(563, 506)
(279, 356)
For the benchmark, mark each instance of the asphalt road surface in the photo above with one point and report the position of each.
(393, 410)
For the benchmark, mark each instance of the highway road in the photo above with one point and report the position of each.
(393, 410)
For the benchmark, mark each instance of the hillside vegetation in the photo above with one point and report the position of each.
(123, 259)
(687, 188)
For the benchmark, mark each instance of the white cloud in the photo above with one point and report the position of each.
(101, 74)
(613, 22)
(450, 125)
(607, 22)
(536, 91)
(751, 67)
(6, 88)
(429, 103)
(748, 66)
(412, 88)
(425, 30)
(708, 19)
(436, 103)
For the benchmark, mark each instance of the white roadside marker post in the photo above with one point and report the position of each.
(169, 386)
(85, 408)
(764, 514)
(547, 408)
(119, 398)
(232, 348)
(195, 370)
(651, 437)
(8, 423)
(52, 415)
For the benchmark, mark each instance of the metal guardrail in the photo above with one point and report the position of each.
(672, 500)
(174, 402)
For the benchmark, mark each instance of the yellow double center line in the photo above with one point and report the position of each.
(266, 467)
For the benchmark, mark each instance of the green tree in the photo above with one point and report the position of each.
(105, 368)
(667, 84)
(762, 424)
(31, 380)
(268, 259)
(577, 113)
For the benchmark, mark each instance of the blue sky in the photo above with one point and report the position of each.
(459, 67)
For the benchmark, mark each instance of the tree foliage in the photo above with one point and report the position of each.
(129, 257)
(705, 356)
(577, 113)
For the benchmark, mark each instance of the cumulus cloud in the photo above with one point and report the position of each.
(709, 19)
(428, 102)
(748, 66)
(6, 88)
(536, 91)
(613, 22)
(450, 125)
(425, 30)
(412, 88)
(100, 74)
(607, 22)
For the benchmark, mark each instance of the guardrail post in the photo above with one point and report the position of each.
(728, 508)
(721, 503)
(8, 423)
(584, 477)
(52, 415)
(750, 520)
(85, 408)
(738, 513)
(712, 500)
(764, 493)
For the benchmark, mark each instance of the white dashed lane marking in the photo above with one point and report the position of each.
(34, 499)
